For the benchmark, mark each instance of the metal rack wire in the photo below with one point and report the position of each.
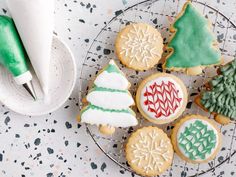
(159, 13)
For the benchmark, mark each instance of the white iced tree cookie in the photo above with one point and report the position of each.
(109, 101)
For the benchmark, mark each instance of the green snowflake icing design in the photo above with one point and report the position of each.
(197, 140)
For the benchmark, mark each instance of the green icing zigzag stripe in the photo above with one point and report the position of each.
(90, 106)
(102, 89)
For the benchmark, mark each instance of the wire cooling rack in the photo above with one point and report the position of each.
(159, 13)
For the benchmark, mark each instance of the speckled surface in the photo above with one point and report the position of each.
(55, 145)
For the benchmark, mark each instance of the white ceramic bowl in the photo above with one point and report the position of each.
(62, 81)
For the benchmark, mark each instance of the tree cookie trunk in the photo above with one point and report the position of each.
(193, 71)
(222, 119)
(106, 129)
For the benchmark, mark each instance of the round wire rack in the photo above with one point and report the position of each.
(159, 13)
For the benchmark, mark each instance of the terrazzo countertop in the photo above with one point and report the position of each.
(55, 144)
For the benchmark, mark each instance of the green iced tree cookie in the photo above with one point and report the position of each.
(197, 140)
(193, 45)
(221, 99)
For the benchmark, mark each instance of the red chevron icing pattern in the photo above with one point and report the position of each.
(162, 100)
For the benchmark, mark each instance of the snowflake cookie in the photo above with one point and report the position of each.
(196, 139)
(161, 98)
(139, 46)
(149, 151)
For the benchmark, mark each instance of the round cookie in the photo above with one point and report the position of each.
(161, 98)
(139, 46)
(149, 151)
(196, 139)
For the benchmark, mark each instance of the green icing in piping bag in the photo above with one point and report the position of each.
(12, 54)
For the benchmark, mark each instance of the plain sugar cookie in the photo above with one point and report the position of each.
(161, 98)
(139, 46)
(149, 151)
(196, 139)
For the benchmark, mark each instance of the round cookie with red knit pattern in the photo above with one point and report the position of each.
(161, 98)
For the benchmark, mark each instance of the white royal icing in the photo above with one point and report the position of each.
(151, 152)
(110, 100)
(187, 124)
(116, 119)
(112, 80)
(140, 45)
(159, 81)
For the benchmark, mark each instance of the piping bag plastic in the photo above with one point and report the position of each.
(13, 56)
(34, 21)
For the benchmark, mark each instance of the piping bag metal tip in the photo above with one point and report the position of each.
(29, 87)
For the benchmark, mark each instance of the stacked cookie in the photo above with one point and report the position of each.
(161, 98)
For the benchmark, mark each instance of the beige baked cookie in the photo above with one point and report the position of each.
(161, 98)
(108, 102)
(219, 96)
(192, 46)
(196, 139)
(139, 46)
(149, 151)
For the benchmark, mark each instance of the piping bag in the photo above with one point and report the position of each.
(13, 56)
(34, 21)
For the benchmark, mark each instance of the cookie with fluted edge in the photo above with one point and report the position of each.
(149, 151)
(196, 139)
(161, 98)
(139, 46)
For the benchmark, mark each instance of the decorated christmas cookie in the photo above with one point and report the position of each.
(161, 98)
(109, 100)
(196, 139)
(149, 151)
(220, 96)
(193, 45)
(139, 46)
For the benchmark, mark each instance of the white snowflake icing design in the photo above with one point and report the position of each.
(141, 45)
(151, 152)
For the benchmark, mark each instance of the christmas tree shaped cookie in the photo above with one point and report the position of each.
(220, 96)
(192, 46)
(109, 101)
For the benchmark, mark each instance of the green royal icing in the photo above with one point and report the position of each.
(112, 69)
(197, 140)
(192, 42)
(12, 53)
(102, 89)
(222, 97)
(90, 106)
